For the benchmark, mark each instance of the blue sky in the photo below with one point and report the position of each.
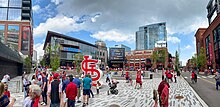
(117, 24)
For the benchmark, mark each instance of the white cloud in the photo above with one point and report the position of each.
(39, 48)
(36, 8)
(56, 1)
(59, 23)
(113, 35)
(188, 47)
(173, 39)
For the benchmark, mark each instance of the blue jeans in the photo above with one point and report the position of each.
(55, 105)
(71, 103)
(217, 84)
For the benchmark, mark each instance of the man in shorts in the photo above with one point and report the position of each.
(86, 89)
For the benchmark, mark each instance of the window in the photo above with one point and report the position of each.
(3, 13)
(15, 3)
(3, 3)
(2, 34)
(14, 14)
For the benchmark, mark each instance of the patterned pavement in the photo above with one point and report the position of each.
(130, 97)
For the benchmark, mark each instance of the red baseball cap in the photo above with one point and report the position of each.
(56, 75)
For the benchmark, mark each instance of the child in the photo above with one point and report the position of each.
(7, 93)
(155, 98)
(97, 87)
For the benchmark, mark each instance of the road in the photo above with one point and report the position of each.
(205, 87)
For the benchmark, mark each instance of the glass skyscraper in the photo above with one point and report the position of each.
(148, 35)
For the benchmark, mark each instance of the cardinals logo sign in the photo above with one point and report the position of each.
(90, 66)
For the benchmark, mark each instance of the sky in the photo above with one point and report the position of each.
(116, 21)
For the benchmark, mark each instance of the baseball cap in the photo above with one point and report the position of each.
(55, 76)
(4, 80)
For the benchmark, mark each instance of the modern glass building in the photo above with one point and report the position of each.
(16, 25)
(148, 35)
(127, 49)
(69, 46)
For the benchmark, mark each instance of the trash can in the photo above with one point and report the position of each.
(151, 76)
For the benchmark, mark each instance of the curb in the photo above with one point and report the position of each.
(196, 94)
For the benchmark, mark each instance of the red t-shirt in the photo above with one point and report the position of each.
(138, 78)
(7, 93)
(193, 75)
(126, 74)
(71, 91)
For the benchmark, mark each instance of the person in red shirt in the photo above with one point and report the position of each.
(127, 76)
(71, 92)
(161, 87)
(193, 77)
(7, 93)
(138, 79)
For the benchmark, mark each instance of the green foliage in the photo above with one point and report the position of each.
(201, 59)
(162, 56)
(43, 62)
(54, 57)
(78, 59)
(27, 63)
(154, 57)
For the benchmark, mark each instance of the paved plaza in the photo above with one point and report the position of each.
(130, 97)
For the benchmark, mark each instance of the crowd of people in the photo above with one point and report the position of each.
(57, 89)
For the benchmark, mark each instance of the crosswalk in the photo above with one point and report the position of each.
(210, 76)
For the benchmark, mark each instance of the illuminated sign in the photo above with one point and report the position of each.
(117, 53)
(71, 49)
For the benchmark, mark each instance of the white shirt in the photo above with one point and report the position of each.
(27, 102)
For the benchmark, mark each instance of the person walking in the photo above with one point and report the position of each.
(34, 96)
(97, 87)
(107, 77)
(26, 84)
(155, 98)
(71, 92)
(193, 77)
(165, 96)
(138, 79)
(65, 83)
(54, 91)
(77, 81)
(217, 78)
(44, 89)
(161, 87)
(86, 89)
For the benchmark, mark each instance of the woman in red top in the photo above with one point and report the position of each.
(138, 79)
(127, 76)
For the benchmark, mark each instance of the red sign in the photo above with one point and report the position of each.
(89, 67)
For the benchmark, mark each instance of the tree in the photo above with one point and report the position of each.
(201, 59)
(78, 59)
(27, 63)
(154, 58)
(54, 57)
(43, 62)
(177, 63)
(194, 61)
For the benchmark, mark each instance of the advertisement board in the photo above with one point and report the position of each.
(69, 49)
(25, 38)
(13, 34)
(116, 53)
(2, 33)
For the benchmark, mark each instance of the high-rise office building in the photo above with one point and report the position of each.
(16, 25)
(148, 35)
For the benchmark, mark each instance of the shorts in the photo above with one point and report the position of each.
(86, 91)
(140, 82)
(64, 97)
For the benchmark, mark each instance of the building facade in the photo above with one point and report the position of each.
(16, 25)
(68, 47)
(102, 54)
(127, 49)
(148, 35)
(139, 60)
(210, 39)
